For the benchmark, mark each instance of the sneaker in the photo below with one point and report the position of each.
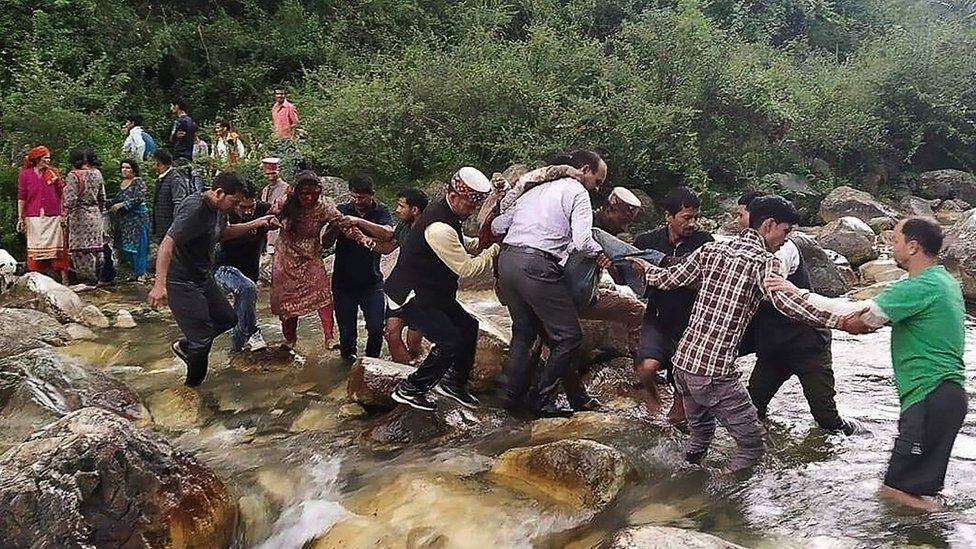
(852, 427)
(553, 410)
(415, 401)
(256, 342)
(461, 396)
(178, 349)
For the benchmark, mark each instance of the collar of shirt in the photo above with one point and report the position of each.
(752, 237)
(164, 174)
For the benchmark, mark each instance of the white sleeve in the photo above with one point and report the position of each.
(840, 306)
(789, 257)
(443, 240)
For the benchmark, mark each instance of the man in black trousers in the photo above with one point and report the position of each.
(184, 270)
(423, 287)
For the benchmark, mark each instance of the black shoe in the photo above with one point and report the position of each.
(415, 401)
(461, 396)
(350, 359)
(178, 348)
(695, 458)
(552, 410)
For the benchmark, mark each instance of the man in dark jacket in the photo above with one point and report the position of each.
(668, 312)
(786, 347)
(171, 189)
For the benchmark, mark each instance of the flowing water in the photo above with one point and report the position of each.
(280, 433)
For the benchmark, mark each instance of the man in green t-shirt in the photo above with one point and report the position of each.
(927, 314)
(410, 204)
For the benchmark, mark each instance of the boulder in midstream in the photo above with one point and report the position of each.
(665, 537)
(25, 329)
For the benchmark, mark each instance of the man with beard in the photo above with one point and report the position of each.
(668, 311)
(423, 289)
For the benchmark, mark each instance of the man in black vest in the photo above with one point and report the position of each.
(423, 289)
(785, 347)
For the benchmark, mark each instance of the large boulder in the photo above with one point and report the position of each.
(666, 537)
(880, 270)
(372, 380)
(825, 276)
(25, 329)
(40, 386)
(913, 205)
(579, 472)
(950, 212)
(492, 353)
(851, 238)
(37, 291)
(93, 479)
(946, 184)
(849, 202)
(959, 253)
(177, 408)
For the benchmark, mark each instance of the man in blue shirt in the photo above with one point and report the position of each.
(356, 279)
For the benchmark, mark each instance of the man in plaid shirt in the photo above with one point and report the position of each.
(731, 276)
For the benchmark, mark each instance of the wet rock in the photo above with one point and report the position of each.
(612, 379)
(947, 184)
(959, 253)
(177, 408)
(255, 512)
(93, 479)
(123, 319)
(913, 205)
(588, 425)
(825, 276)
(359, 531)
(408, 426)
(40, 386)
(580, 472)
(880, 224)
(666, 537)
(37, 291)
(851, 238)
(25, 329)
(351, 411)
(492, 354)
(951, 212)
(79, 332)
(372, 380)
(91, 316)
(316, 417)
(849, 202)
(880, 270)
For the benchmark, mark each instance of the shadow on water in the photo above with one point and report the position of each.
(296, 454)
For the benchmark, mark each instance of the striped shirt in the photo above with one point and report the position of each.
(731, 276)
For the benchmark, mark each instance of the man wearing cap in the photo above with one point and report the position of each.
(546, 223)
(621, 209)
(423, 289)
(274, 192)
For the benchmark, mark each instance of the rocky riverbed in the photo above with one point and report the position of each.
(104, 447)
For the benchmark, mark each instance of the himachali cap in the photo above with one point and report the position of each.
(625, 196)
(471, 183)
(270, 163)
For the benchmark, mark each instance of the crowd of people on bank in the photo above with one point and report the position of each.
(690, 305)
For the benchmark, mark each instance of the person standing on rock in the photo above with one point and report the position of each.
(84, 202)
(543, 226)
(668, 311)
(238, 268)
(357, 283)
(40, 216)
(927, 315)
(410, 204)
(786, 348)
(423, 288)
(731, 277)
(183, 270)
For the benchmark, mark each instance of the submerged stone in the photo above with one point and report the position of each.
(664, 537)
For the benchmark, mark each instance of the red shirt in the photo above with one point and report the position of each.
(38, 195)
(284, 117)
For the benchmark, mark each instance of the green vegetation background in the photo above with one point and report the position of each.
(718, 94)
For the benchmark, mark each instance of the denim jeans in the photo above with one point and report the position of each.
(245, 292)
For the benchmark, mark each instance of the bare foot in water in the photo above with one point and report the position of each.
(929, 504)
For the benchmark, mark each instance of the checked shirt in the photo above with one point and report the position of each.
(731, 276)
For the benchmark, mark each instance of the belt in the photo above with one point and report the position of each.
(531, 251)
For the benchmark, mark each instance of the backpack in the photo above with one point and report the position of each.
(150, 145)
